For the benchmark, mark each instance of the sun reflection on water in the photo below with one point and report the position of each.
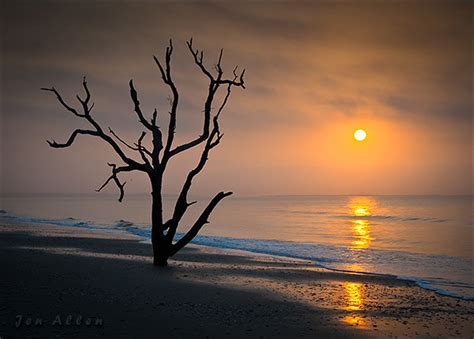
(361, 211)
(361, 207)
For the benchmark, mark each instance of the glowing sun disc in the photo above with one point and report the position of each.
(360, 135)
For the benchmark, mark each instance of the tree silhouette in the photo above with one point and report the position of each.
(154, 162)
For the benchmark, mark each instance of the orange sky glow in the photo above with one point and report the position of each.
(316, 72)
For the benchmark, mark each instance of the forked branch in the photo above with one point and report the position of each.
(214, 84)
(62, 102)
(113, 176)
(200, 222)
(97, 131)
(182, 203)
(167, 79)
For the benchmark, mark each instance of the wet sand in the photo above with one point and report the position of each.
(75, 283)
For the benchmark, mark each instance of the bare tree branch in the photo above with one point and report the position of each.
(214, 84)
(138, 111)
(224, 102)
(157, 141)
(198, 59)
(71, 139)
(138, 146)
(153, 127)
(86, 89)
(113, 176)
(182, 204)
(219, 70)
(62, 102)
(200, 222)
(213, 139)
(122, 141)
(166, 75)
(142, 150)
(98, 129)
(238, 80)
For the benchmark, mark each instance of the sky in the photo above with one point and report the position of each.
(315, 72)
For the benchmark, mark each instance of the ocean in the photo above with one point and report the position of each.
(426, 239)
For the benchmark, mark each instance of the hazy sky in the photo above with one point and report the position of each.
(316, 71)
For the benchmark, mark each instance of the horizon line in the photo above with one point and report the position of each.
(236, 195)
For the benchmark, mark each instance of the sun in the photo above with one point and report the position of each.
(360, 135)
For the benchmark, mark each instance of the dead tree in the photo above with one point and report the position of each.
(154, 160)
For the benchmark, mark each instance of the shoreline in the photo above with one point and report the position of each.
(122, 225)
(53, 270)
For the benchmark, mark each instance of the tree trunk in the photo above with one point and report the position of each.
(160, 254)
(158, 239)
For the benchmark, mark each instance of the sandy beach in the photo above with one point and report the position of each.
(68, 282)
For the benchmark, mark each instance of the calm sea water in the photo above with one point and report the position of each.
(427, 239)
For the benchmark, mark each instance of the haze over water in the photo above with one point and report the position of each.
(424, 238)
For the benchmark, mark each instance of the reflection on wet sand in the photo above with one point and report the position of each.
(354, 302)
(353, 296)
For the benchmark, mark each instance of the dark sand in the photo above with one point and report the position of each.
(50, 271)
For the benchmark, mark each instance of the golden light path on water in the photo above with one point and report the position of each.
(360, 208)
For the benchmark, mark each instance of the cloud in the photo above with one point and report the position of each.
(311, 67)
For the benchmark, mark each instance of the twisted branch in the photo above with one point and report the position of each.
(71, 139)
(182, 204)
(166, 76)
(98, 132)
(113, 176)
(214, 84)
(200, 222)
(62, 102)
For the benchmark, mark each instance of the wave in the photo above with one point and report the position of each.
(69, 221)
(369, 261)
(123, 223)
(446, 275)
